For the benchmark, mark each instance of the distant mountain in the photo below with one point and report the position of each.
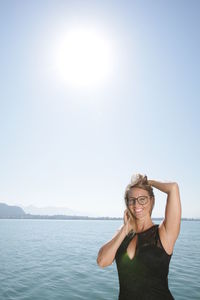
(50, 211)
(54, 213)
(7, 211)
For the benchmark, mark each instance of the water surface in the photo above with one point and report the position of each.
(56, 259)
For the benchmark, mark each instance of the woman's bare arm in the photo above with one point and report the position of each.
(172, 218)
(107, 252)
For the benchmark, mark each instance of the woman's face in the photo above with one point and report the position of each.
(137, 209)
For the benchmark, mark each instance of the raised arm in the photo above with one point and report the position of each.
(107, 252)
(172, 220)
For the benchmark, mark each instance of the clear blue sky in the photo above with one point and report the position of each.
(78, 147)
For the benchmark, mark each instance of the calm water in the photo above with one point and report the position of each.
(50, 259)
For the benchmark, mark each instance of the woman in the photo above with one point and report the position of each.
(142, 250)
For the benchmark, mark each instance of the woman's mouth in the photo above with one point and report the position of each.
(139, 210)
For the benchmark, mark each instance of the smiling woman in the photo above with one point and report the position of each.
(84, 58)
(143, 250)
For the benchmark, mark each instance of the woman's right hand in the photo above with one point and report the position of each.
(129, 222)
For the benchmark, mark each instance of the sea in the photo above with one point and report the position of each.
(56, 260)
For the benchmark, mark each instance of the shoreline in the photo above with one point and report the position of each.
(65, 217)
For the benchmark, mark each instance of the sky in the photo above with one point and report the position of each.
(76, 145)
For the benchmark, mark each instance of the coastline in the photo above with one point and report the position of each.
(65, 217)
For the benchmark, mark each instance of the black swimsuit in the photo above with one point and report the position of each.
(145, 277)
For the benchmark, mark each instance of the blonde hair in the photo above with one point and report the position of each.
(140, 181)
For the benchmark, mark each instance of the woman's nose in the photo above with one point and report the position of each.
(136, 203)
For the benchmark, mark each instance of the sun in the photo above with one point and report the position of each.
(84, 57)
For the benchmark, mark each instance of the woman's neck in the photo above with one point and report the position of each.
(143, 224)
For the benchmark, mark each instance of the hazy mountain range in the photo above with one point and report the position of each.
(32, 212)
(20, 210)
(10, 211)
(51, 211)
(28, 212)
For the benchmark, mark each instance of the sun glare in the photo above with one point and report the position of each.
(84, 58)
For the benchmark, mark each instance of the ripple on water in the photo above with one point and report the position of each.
(57, 260)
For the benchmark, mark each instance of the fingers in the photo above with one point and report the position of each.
(150, 182)
(126, 216)
(126, 213)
